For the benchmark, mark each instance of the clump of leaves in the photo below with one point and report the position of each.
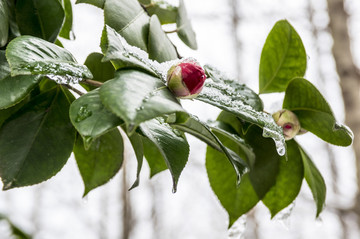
(44, 117)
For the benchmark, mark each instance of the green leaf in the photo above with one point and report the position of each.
(40, 18)
(90, 118)
(129, 19)
(288, 181)
(184, 28)
(192, 125)
(101, 71)
(4, 22)
(227, 131)
(4, 65)
(66, 30)
(15, 230)
(137, 144)
(231, 119)
(314, 113)
(236, 199)
(14, 28)
(13, 89)
(247, 95)
(6, 113)
(160, 47)
(171, 143)
(101, 161)
(120, 53)
(135, 97)
(166, 12)
(29, 55)
(264, 170)
(315, 181)
(97, 3)
(36, 141)
(153, 156)
(283, 57)
(224, 96)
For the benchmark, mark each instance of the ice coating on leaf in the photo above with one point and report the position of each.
(284, 215)
(160, 69)
(238, 229)
(61, 73)
(225, 97)
(28, 55)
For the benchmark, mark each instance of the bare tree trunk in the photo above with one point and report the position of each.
(127, 216)
(235, 20)
(349, 78)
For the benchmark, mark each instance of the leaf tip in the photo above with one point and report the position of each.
(8, 185)
(135, 184)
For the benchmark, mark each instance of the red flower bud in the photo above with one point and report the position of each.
(186, 79)
(288, 121)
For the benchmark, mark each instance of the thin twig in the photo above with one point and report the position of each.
(74, 89)
(172, 31)
(92, 82)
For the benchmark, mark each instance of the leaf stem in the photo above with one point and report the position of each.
(92, 82)
(73, 89)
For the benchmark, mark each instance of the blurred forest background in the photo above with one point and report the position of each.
(230, 36)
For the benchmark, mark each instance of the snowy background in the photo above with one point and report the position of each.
(56, 210)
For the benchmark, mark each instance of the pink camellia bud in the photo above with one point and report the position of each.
(186, 79)
(288, 121)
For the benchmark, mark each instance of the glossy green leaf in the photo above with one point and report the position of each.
(184, 28)
(166, 12)
(247, 95)
(137, 144)
(66, 30)
(101, 71)
(40, 18)
(288, 181)
(13, 89)
(14, 28)
(36, 141)
(231, 119)
(135, 97)
(4, 65)
(129, 19)
(283, 57)
(264, 171)
(90, 118)
(315, 181)
(97, 3)
(171, 143)
(4, 22)
(120, 53)
(202, 131)
(224, 96)
(101, 161)
(6, 113)
(228, 132)
(29, 55)
(236, 199)
(314, 113)
(153, 156)
(160, 47)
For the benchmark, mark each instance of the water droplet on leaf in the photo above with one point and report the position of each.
(83, 113)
